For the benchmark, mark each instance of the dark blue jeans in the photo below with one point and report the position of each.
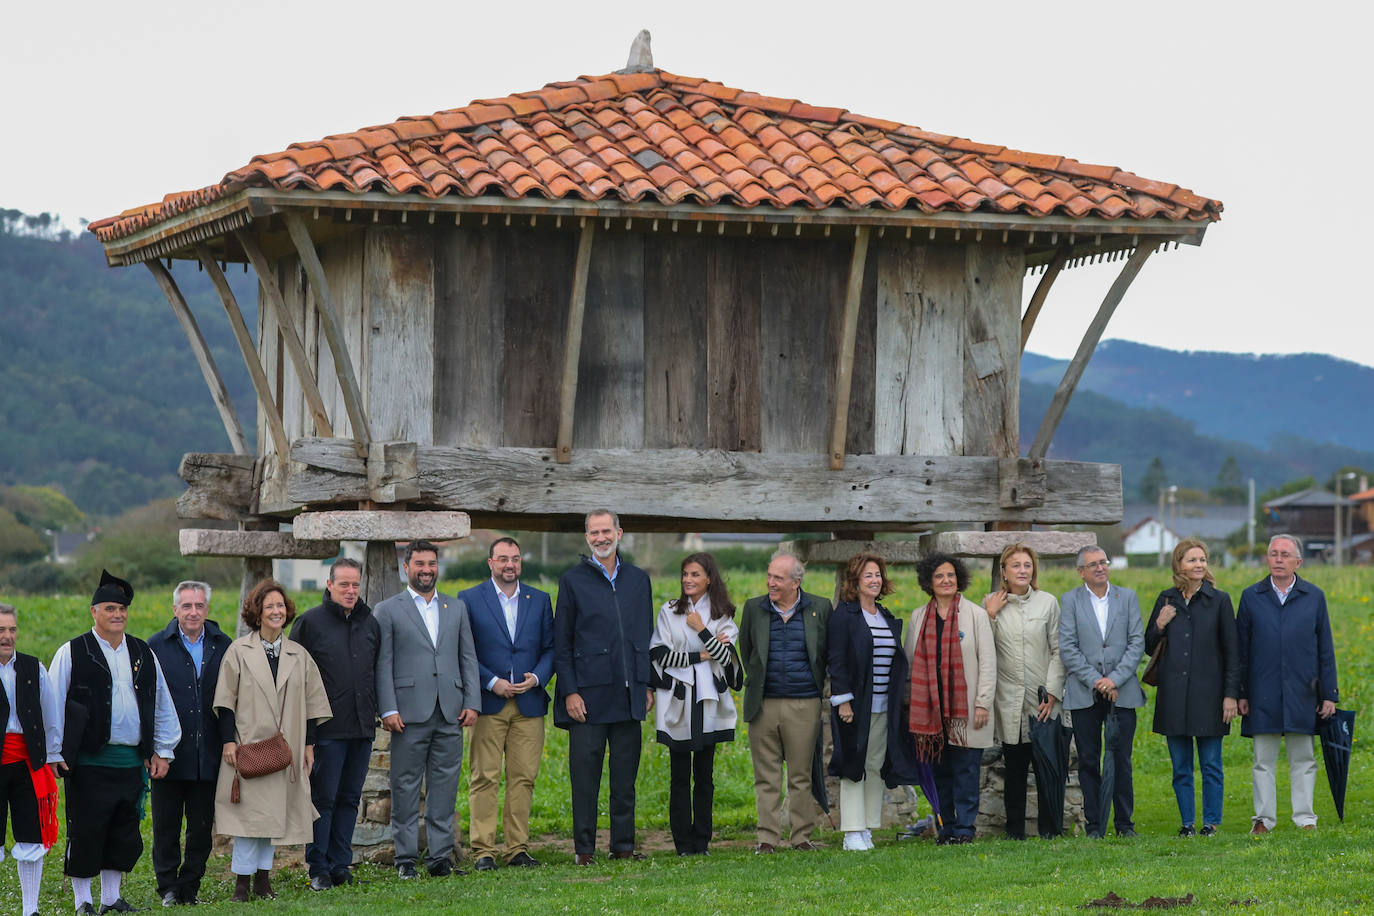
(1209, 759)
(336, 784)
(956, 779)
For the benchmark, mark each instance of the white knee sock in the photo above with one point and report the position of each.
(109, 885)
(30, 877)
(81, 891)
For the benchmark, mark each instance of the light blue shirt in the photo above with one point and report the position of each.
(196, 648)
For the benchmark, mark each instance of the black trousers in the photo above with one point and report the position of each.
(587, 744)
(1019, 761)
(1087, 737)
(172, 801)
(691, 794)
(102, 820)
(18, 804)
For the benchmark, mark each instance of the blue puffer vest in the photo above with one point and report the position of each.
(789, 668)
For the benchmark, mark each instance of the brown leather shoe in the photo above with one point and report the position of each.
(584, 858)
(1258, 829)
(764, 849)
(262, 884)
(629, 854)
(241, 888)
(806, 846)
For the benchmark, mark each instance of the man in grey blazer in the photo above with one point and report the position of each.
(427, 691)
(1101, 641)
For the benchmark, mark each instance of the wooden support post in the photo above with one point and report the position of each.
(266, 405)
(381, 577)
(572, 343)
(1144, 248)
(1042, 289)
(202, 353)
(849, 330)
(329, 321)
(272, 299)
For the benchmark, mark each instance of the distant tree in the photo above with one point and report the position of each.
(1154, 480)
(18, 542)
(1350, 485)
(1230, 486)
(41, 508)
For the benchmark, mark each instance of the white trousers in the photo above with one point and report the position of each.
(251, 854)
(861, 803)
(1302, 778)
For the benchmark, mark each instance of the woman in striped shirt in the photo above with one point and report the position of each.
(695, 666)
(867, 675)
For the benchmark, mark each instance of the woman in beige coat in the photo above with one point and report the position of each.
(267, 682)
(953, 682)
(1025, 627)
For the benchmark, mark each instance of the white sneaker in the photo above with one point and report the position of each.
(854, 841)
(868, 838)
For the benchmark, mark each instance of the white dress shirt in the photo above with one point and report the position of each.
(509, 606)
(1282, 593)
(429, 613)
(1100, 609)
(124, 722)
(46, 702)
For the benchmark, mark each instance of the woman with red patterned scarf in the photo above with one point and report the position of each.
(953, 661)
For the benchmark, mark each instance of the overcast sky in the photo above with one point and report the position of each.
(1263, 106)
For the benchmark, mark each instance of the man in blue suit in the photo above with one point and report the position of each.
(1101, 641)
(512, 630)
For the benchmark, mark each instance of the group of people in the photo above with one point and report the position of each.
(267, 738)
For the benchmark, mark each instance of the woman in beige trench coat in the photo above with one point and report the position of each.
(266, 680)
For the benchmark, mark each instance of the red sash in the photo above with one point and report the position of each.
(44, 785)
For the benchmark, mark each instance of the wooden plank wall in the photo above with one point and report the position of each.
(689, 341)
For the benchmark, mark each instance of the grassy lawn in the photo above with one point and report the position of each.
(1328, 871)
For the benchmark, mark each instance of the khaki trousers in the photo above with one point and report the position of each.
(518, 739)
(1302, 778)
(785, 731)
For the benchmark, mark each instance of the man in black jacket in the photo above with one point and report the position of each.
(601, 631)
(342, 636)
(189, 649)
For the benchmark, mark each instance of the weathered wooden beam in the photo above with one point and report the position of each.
(218, 392)
(219, 486)
(374, 525)
(381, 576)
(735, 490)
(992, 543)
(572, 342)
(1021, 482)
(392, 473)
(267, 406)
(284, 545)
(1042, 289)
(849, 330)
(333, 333)
(272, 299)
(1045, 435)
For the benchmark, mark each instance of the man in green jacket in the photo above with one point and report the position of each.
(782, 643)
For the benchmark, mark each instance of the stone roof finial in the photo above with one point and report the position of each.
(641, 56)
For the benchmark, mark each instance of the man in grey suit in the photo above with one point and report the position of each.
(1101, 641)
(428, 691)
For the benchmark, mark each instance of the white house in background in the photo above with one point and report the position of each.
(311, 575)
(1144, 537)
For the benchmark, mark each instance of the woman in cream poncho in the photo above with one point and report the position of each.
(696, 666)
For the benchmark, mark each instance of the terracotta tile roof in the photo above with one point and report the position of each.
(672, 139)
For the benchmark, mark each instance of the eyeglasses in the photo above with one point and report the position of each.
(1097, 564)
(1284, 555)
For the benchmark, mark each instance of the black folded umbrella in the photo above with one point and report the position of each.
(1337, 734)
(818, 791)
(1049, 742)
(1111, 739)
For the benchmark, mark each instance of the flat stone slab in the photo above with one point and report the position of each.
(381, 525)
(992, 543)
(213, 542)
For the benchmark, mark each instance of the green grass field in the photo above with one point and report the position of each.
(1328, 871)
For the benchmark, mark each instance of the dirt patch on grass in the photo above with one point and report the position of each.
(1113, 901)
